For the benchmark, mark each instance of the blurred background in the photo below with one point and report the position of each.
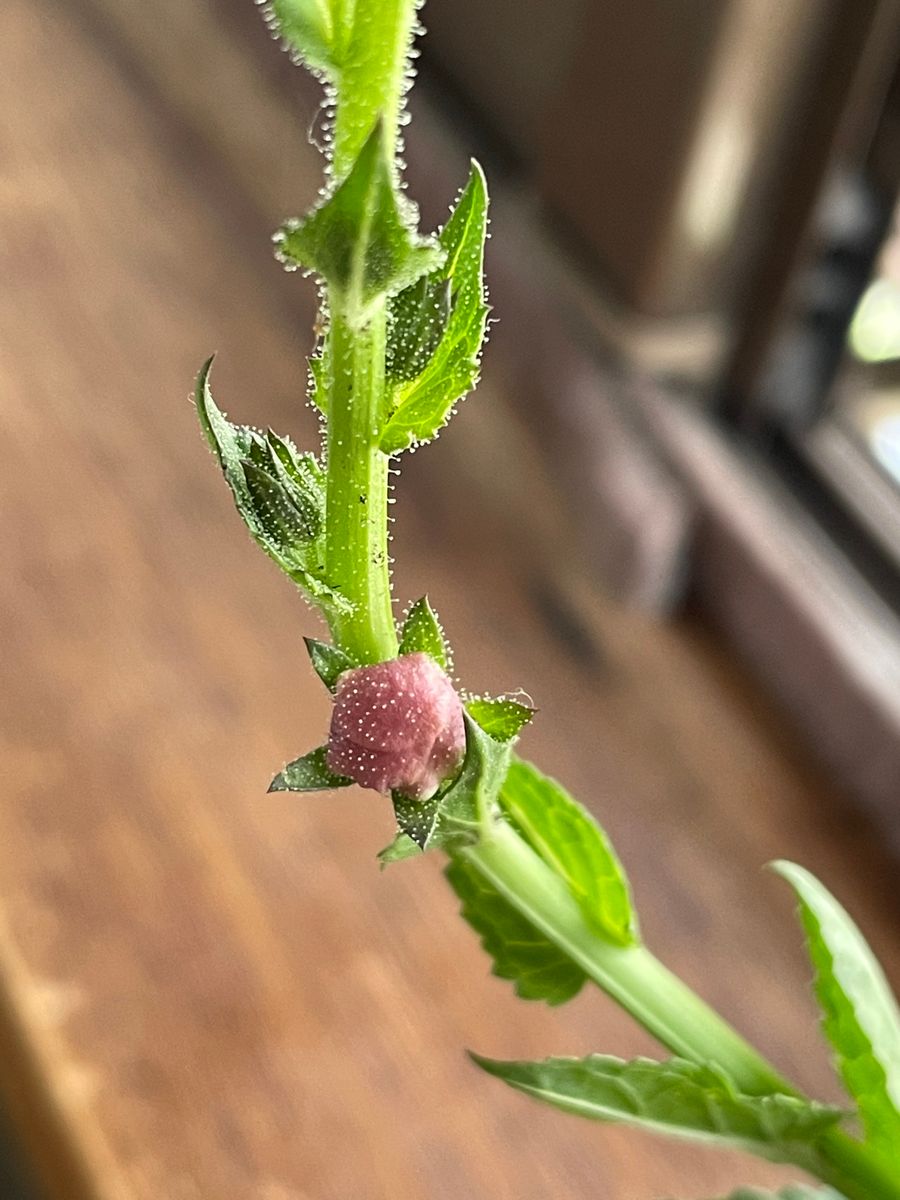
(671, 513)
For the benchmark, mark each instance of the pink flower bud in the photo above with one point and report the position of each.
(397, 725)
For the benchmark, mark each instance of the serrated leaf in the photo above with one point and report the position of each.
(278, 493)
(520, 952)
(308, 774)
(860, 1014)
(359, 238)
(675, 1097)
(421, 406)
(328, 662)
(502, 718)
(570, 841)
(422, 634)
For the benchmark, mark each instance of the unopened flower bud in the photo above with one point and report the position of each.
(397, 725)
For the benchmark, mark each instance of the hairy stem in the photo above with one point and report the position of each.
(356, 547)
(373, 78)
(356, 553)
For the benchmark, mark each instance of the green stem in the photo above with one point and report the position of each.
(659, 1001)
(656, 998)
(356, 546)
(371, 85)
(373, 77)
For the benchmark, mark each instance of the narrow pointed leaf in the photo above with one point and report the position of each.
(502, 718)
(860, 1014)
(520, 952)
(422, 405)
(569, 840)
(308, 774)
(422, 633)
(359, 239)
(676, 1097)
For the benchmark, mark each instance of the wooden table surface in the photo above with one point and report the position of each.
(209, 993)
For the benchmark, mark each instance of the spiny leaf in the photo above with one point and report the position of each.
(308, 774)
(860, 1015)
(675, 1097)
(359, 239)
(422, 633)
(421, 406)
(520, 952)
(569, 840)
(328, 662)
(502, 718)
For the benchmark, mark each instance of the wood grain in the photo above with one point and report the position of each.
(212, 994)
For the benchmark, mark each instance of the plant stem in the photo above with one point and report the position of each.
(373, 78)
(655, 997)
(356, 548)
(356, 551)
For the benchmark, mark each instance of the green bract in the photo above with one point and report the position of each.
(309, 773)
(422, 633)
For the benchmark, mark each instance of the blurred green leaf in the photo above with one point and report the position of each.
(569, 840)
(860, 1014)
(400, 848)
(675, 1097)
(520, 952)
(422, 405)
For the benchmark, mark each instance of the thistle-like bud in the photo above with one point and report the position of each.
(397, 725)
